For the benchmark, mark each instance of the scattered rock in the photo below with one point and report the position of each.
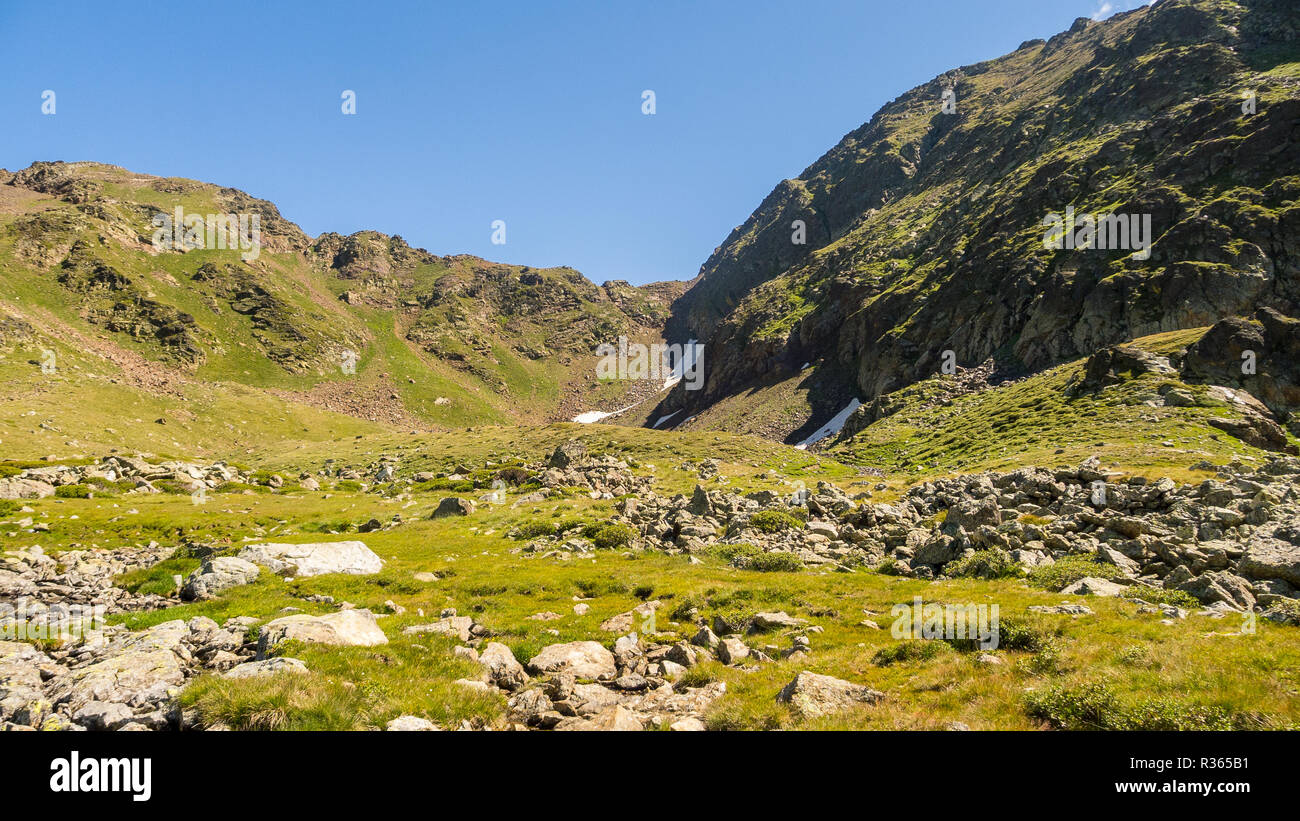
(811, 695)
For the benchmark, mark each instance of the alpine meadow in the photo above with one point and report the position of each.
(987, 420)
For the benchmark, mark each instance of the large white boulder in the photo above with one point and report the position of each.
(349, 628)
(314, 559)
(584, 659)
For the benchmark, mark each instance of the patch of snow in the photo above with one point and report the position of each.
(663, 419)
(595, 416)
(832, 427)
(689, 354)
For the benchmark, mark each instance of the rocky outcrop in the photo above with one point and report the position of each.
(922, 231)
(20, 488)
(114, 679)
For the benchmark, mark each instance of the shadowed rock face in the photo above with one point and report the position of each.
(924, 230)
(1260, 355)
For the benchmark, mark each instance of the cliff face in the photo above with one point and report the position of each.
(924, 228)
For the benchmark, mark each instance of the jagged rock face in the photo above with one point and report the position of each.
(924, 229)
(1260, 355)
(459, 295)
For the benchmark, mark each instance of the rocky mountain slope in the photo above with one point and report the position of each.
(363, 325)
(924, 229)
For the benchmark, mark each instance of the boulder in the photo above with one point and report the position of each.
(1213, 586)
(704, 637)
(775, 621)
(137, 677)
(616, 718)
(811, 695)
(17, 488)
(459, 626)
(103, 715)
(1092, 586)
(349, 628)
(503, 669)
(633, 619)
(453, 506)
(567, 454)
(970, 514)
(266, 667)
(1269, 557)
(216, 574)
(584, 659)
(687, 725)
(732, 650)
(938, 550)
(410, 724)
(314, 559)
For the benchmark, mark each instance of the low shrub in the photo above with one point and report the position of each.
(730, 553)
(535, 529)
(1069, 569)
(774, 562)
(773, 521)
(984, 564)
(1094, 706)
(1158, 595)
(909, 650)
(613, 536)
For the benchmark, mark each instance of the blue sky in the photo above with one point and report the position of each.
(468, 113)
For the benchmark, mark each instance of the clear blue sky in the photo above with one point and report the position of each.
(471, 112)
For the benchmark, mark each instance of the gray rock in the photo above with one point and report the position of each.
(584, 659)
(1063, 609)
(811, 695)
(18, 488)
(103, 715)
(410, 724)
(775, 621)
(266, 667)
(503, 669)
(351, 628)
(217, 574)
(453, 506)
(732, 650)
(1267, 557)
(315, 559)
(705, 637)
(462, 627)
(1092, 586)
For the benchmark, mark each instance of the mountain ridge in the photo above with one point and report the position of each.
(924, 228)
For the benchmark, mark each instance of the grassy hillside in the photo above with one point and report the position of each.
(434, 341)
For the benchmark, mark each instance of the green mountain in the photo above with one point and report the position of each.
(924, 228)
(362, 326)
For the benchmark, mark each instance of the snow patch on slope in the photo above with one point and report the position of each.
(832, 427)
